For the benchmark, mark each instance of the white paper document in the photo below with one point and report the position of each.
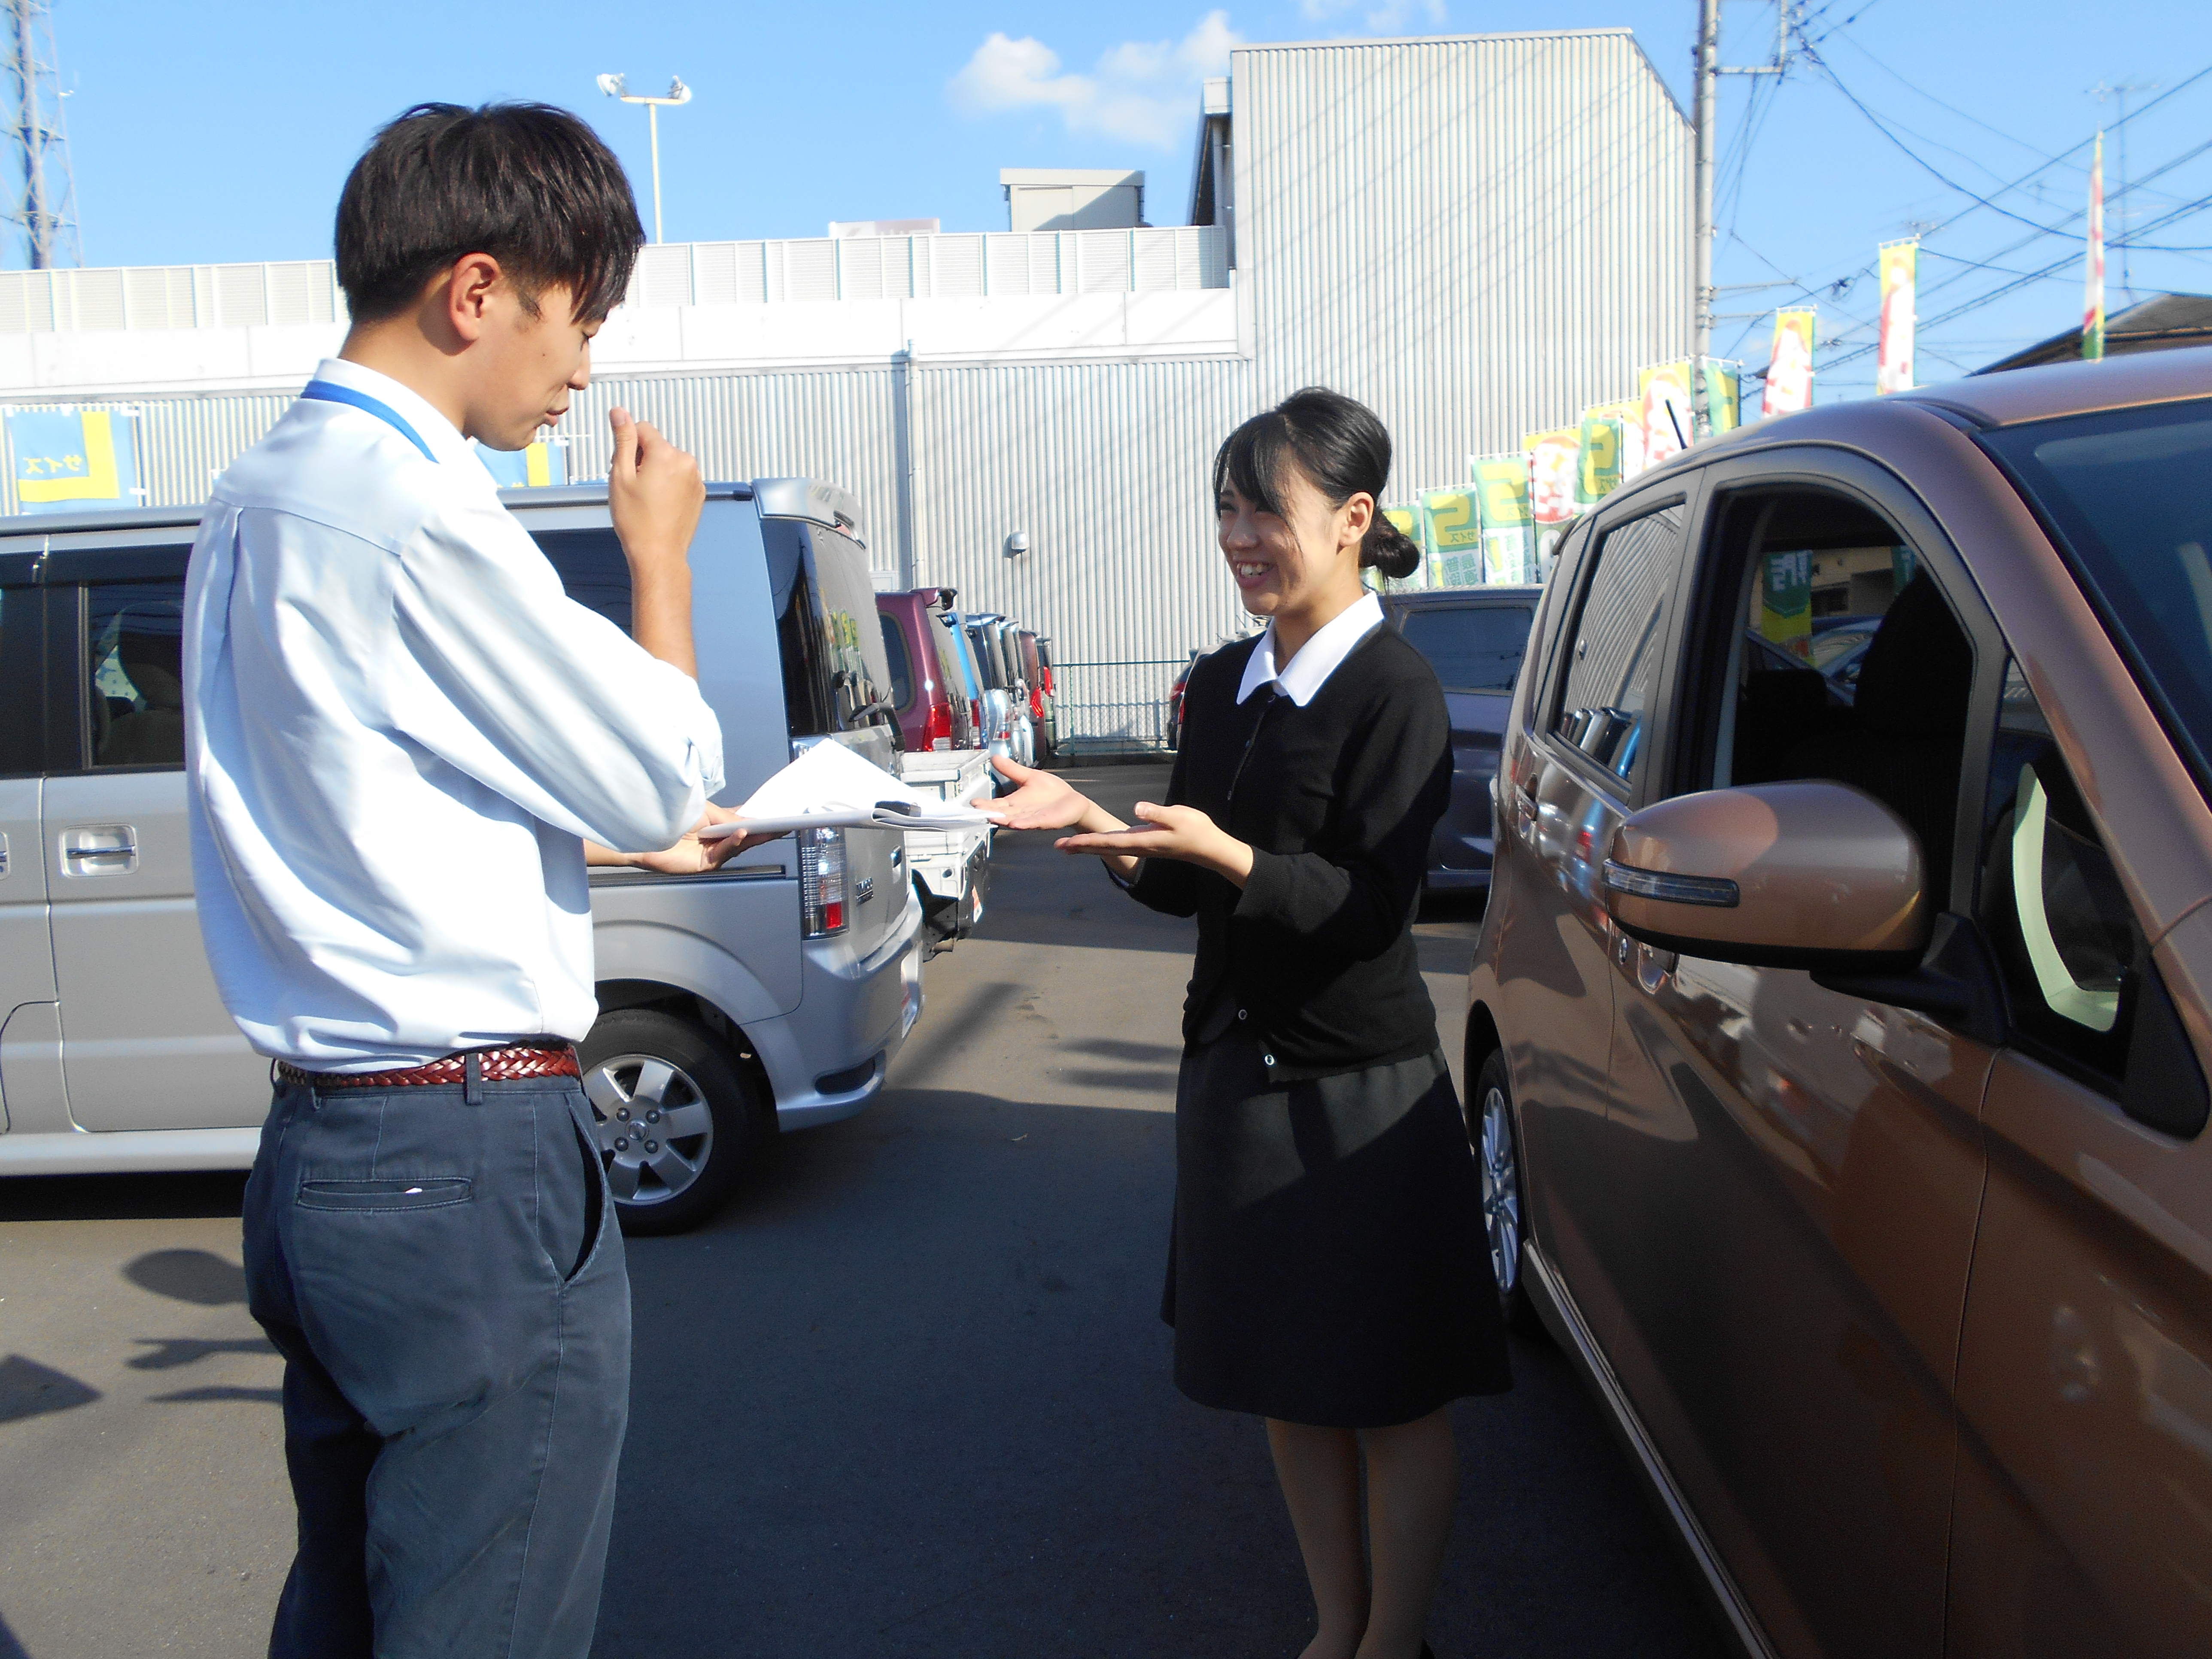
(830, 787)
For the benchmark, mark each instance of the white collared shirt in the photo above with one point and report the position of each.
(399, 730)
(1317, 658)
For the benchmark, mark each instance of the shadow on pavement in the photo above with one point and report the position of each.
(913, 1398)
(199, 1277)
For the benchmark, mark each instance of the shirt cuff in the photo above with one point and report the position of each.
(1127, 883)
(1267, 889)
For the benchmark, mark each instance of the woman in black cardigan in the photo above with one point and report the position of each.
(1328, 1267)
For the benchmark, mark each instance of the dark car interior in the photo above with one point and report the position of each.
(1898, 733)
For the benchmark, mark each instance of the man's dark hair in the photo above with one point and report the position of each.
(528, 184)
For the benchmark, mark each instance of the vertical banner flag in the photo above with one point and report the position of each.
(1455, 537)
(1598, 471)
(1789, 370)
(1554, 459)
(2093, 307)
(1900, 263)
(1723, 392)
(1785, 602)
(1665, 388)
(535, 468)
(67, 459)
(1501, 486)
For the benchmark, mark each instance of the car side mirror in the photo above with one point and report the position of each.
(1815, 875)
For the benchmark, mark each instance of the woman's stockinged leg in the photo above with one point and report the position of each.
(1413, 1485)
(1319, 1471)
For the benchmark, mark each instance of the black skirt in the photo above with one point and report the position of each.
(1327, 1263)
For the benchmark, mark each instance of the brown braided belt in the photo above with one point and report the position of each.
(552, 1057)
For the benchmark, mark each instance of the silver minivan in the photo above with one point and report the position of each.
(771, 994)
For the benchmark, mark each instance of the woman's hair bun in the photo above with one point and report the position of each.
(1388, 549)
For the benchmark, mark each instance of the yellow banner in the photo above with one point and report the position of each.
(89, 474)
(1789, 370)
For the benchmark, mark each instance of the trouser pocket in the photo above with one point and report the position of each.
(413, 1237)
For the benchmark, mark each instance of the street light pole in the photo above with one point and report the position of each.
(1709, 52)
(615, 86)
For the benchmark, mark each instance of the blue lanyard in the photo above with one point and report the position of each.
(327, 393)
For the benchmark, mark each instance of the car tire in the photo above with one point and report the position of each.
(1497, 1141)
(643, 1067)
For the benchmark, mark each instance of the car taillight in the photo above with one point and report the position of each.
(936, 728)
(822, 881)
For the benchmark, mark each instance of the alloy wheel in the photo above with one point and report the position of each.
(1501, 1190)
(655, 1130)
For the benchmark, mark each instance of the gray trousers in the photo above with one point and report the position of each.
(443, 1271)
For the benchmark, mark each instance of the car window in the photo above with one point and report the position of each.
(135, 695)
(1472, 648)
(1614, 661)
(593, 569)
(1889, 718)
(2086, 995)
(22, 665)
(901, 664)
(2130, 495)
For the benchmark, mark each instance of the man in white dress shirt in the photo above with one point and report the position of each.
(400, 736)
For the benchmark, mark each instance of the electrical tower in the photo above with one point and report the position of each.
(39, 132)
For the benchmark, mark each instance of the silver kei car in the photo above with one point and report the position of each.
(768, 995)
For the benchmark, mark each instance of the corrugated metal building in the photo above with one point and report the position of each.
(1477, 235)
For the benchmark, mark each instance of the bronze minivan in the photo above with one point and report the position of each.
(1840, 1038)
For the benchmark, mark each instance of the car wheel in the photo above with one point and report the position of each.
(1497, 1154)
(678, 1124)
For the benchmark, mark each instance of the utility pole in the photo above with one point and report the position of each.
(613, 86)
(1708, 100)
(2103, 93)
(1706, 122)
(47, 212)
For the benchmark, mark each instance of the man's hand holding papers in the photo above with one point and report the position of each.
(830, 787)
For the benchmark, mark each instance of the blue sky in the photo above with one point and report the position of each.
(222, 130)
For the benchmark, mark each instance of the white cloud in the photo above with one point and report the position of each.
(1377, 16)
(1144, 91)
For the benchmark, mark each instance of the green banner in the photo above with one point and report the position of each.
(1723, 394)
(1598, 473)
(1455, 524)
(1785, 602)
(1501, 484)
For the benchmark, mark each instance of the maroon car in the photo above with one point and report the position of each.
(926, 688)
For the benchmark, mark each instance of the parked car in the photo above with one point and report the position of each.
(1003, 669)
(995, 704)
(1051, 693)
(770, 995)
(963, 651)
(1175, 701)
(1473, 638)
(1839, 1071)
(1038, 677)
(928, 688)
(951, 869)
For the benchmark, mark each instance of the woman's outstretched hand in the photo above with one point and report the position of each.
(1169, 832)
(1043, 801)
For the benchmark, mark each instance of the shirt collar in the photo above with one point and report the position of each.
(445, 439)
(1317, 658)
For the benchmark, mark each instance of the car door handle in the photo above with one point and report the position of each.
(4, 855)
(99, 849)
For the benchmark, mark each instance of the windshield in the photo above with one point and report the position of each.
(1473, 648)
(2129, 494)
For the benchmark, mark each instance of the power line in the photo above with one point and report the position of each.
(1999, 292)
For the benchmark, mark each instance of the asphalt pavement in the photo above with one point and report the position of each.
(909, 1396)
